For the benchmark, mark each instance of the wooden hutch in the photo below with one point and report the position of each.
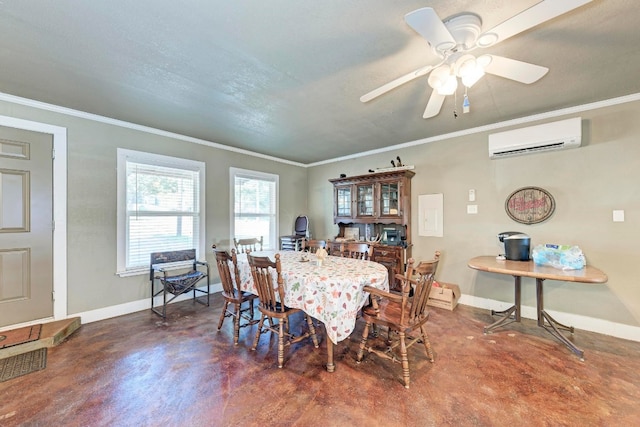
(377, 204)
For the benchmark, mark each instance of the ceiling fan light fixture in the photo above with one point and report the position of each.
(471, 78)
(449, 87)
(439, 76)
(464, 65)
(470, 69)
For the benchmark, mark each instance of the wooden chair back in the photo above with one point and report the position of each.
(415, 291)
(358, 250)
(270, 292)
(249, 244)
(313, 245)
(230, 284)
(335, 248)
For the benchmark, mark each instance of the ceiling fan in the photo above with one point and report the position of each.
(453, 39)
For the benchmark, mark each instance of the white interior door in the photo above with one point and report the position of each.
(26, 226)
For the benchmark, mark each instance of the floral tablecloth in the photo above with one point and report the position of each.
(331, 293)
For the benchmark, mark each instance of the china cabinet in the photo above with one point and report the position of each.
(377, 207)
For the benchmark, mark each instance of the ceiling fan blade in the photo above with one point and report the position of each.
(529, 18)
(426, 22)
(395, 83)
(434, 105)
(519, 71)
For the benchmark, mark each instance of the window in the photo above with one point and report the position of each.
(254, 206)
(160, 207)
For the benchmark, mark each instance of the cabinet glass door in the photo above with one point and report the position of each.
(389, 198)
(343, 201)
(365, 200)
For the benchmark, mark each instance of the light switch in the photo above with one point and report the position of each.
(472, 209)
(618, 216)
(472, 195)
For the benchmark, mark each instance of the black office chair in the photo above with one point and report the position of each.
(300, 234)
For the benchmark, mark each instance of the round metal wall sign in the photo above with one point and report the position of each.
(530, 205)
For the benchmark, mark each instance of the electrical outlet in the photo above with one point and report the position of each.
(618, 216)
(472, 209)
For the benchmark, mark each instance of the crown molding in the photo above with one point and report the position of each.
(499, 125)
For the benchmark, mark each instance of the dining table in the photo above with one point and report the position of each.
(331, 291)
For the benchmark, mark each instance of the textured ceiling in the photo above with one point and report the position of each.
(284, 78)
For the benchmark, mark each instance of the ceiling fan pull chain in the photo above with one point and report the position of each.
(455, 103)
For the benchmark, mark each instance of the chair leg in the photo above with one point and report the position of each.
(164, 304)
(281, 343)
(236, 324)
(426, 342)
(258, 332)
(152, 297)
(250, 318)
(223, 314)
(312, 331)
(251, 308)
(363, 342)
(404, 359)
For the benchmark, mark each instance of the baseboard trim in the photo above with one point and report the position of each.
(585, 323)
(132, 307)
(591, 324)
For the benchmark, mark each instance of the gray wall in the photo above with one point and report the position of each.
(91, 200)
(587, 183)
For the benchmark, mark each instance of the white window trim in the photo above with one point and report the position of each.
(258, 175)
(158, 159)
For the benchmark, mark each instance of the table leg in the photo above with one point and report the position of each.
(512, 314)
(330, 365)
(552, 325)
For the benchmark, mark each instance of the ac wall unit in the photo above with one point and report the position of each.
(534, 139)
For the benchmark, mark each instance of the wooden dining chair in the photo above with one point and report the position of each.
(359, 250)
(271, 295)
(404, 314)
(248, 245)
(335, 248)
(234, 297)
(313, 245)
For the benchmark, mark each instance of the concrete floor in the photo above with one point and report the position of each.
(137, 370)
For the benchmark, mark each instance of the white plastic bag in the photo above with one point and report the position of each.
(563, 257)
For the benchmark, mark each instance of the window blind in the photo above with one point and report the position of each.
(163, 211)
(255, 206)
